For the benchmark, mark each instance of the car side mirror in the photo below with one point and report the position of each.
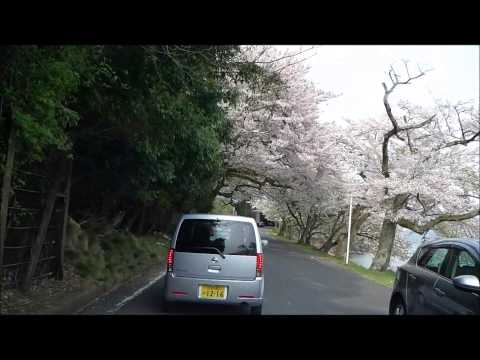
(264, 242)
(467, 282)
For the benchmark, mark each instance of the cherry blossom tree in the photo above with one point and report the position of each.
(419, 165)
(417, 172)
(316, 187)
(273, 125)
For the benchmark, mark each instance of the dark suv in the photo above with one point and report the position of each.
(442, 277)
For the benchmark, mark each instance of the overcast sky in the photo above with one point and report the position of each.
(358, 71)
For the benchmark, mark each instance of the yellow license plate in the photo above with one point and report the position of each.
(216, 292)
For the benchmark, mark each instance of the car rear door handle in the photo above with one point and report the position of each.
(411, 276)
(439, 292)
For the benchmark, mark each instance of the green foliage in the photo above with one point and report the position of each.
(221, 208)
(37, 86)
(155, 128)
(145, 125)
(117, 256)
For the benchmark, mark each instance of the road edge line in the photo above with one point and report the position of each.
(122, 303)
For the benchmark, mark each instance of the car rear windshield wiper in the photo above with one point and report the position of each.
(211, 248)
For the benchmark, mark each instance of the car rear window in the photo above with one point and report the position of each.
(211, 236)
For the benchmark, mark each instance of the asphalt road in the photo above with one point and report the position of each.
(296, 283)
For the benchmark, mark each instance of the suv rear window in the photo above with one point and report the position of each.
(211, 236)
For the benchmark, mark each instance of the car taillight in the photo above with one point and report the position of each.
(259, 265)
(170, 260)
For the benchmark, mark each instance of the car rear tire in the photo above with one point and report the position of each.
(167, 306)
(398, 308)
(256, 310)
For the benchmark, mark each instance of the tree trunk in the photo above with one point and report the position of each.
(357, 224)
(384, 251)
(117, 219)
(61, 244)
(42, 231)
(289, 231)
(107, 205)
(307, 229)
(341, 247)
(307, 237)
(303, 239)
(302, 236)
(283, 227)
(6, 185)
(357, 220)
(133, 217)
(156, 218)
(330, 243)
(381, 260)
(141, 222)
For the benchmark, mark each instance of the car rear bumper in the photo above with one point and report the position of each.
(185, 289)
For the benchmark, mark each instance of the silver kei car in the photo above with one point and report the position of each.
(216, 259)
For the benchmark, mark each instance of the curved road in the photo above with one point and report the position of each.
(296, 283)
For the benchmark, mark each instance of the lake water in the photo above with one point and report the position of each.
(365, 260)
(414, 240)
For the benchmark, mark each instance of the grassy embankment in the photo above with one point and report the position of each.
(91, 261)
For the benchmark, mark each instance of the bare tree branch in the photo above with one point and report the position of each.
(291, 64)
(396, 129)
(458, 142)
(409, 141)
(406, 68)
(396, 82)
(297, 220)
(362, 234)
(252, 176)
(459, 121)
(469, 195)
(387, 106)
(419, 125)
(421, 229)
(283, 57)
(385, 158)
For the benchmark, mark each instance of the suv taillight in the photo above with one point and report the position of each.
(259, 265)
(170, 260)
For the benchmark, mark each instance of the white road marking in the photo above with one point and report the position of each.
(135, 294)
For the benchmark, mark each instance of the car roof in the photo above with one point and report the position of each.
(219, 217)
(471, 243)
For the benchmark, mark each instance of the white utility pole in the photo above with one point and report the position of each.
(349, 228)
